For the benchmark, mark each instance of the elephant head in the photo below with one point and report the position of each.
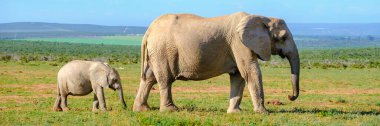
(271, 36)
(112, 80)
(115, 84)
(283, 45)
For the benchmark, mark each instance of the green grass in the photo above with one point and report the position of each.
(111, 40)
(328, 97)
(338, 87)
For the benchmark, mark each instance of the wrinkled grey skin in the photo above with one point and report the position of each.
(189, 47)
(80, 78)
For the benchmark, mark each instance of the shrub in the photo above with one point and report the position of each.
(6, 58)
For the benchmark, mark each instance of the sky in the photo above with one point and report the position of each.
(143, 12)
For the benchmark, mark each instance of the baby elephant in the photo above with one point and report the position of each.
(80, 78)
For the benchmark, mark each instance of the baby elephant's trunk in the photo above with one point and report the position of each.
(122, 97)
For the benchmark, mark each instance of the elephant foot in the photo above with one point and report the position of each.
(65, 109)
(234, 110)
(57, 109)
(103, 109)
(261, 111)
(170, 108)
(140, 108)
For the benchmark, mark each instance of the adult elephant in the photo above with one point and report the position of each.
(190, 47)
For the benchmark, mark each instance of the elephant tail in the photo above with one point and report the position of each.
(144, 54)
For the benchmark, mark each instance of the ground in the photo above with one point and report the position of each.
(328, 97)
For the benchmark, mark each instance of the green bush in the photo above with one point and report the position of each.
(25, 51)
(6, 58)
(64, 52)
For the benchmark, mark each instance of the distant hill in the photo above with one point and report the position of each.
(19, 30)
(40, 29)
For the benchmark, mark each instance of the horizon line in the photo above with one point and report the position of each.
(148, 25)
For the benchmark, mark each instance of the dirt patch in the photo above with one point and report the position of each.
(196, 90)
(226, 89)
(34, 87)
(21, 99)
(44, 87)
(344, 91)
(17, 99)
(202, 90)
(42, 91)
(220, 89)
(327, 104)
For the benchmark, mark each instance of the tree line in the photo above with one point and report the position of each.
(57, 52)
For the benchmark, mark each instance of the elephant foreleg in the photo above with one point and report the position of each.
(255, 87)
(141, 100)
(95, 104)
(236, 92)
(100, 95)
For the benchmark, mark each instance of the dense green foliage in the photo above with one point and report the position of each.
(333, 58)
(108, 40)
(25, 51)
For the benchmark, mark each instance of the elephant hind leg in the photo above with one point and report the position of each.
(57, 104)
(165, 80)
(146, 84)
(166, 100)
(236, 92)
(64, 102)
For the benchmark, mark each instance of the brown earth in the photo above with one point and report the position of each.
(39, 91)
(49, 90)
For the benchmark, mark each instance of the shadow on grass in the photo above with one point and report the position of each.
(321, 112)
(328, 112)
(193, 108)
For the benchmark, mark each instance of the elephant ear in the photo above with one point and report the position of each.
(253, 33)
(101, 77)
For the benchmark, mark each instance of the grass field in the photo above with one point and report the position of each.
(111, 40)
(339, 86)
(327, 97)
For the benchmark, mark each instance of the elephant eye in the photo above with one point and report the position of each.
(280, 39)
(284, 38)
(277, 39)
(114, 80)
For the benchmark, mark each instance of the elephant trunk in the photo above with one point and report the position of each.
(122, 97)
(294, 62)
